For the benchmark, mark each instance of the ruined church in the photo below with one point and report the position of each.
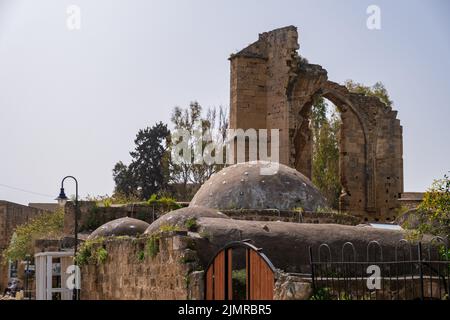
(273, 87)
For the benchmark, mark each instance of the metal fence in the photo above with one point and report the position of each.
(406, 272)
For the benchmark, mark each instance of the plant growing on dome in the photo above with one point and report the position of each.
(191, 224)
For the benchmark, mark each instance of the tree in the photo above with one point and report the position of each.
(45, 226)
(434, 211)
(377, 90)
(203, 130)
(325, 160)
(145, 175)
(126, 186)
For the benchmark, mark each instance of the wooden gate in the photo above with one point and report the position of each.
(259, 274)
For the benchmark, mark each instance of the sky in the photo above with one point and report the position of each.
(72, 101)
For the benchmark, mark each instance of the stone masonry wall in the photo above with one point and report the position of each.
(130, 272)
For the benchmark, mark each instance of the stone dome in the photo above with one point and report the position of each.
(178, 218)
(242, 186)
(120, 227)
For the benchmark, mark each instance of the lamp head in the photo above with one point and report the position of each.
(62, 198)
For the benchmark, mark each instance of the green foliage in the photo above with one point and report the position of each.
(434, 211)
(153, 200)
(322, 294)
(325, 160)
(141, 256)
(153, 246)
(166, 203)
(169, 203)
(299, 210)
(102, 254)
(378, 90)
(145, 175)
(48, 225)
(107, 201)
(126, 185)
(169, 228)
(191, 224)
(437, 199)
(445, 253)
(239, 283)
(187, 281)
(92, 251)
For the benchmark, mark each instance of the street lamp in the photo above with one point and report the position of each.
(62, 200)
(27, 275)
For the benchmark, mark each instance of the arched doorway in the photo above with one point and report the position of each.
(239, 271)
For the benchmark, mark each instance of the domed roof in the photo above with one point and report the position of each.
(120, 227)
(179, 218)
(242, 186)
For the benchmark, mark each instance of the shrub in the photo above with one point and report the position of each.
(92, 251)
(166, 203)
(141, 256)
(434, 211)
(191, 224)
(102, 254)
(322, 294)
(168, 228)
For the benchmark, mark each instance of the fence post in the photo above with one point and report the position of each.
(422, 293)
(311, 261)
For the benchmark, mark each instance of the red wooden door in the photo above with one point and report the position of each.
(259, 275)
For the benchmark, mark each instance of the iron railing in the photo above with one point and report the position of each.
(408, 272)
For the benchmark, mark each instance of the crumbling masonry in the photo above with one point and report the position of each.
(272, 87)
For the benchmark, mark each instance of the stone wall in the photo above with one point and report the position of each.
(11, 216)
(411, 200)
(130, 271)
(272, 87)
(292, 287)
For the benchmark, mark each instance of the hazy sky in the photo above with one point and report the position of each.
(71, 102)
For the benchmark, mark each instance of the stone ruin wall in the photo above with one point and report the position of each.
(172, 274)
(272, 87)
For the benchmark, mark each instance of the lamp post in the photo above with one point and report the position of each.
(62, 200)
(27, 279)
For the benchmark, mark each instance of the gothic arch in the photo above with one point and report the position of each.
(355, 169)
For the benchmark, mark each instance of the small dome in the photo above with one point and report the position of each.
(180, 217)
(120, 227)
(258, 186)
